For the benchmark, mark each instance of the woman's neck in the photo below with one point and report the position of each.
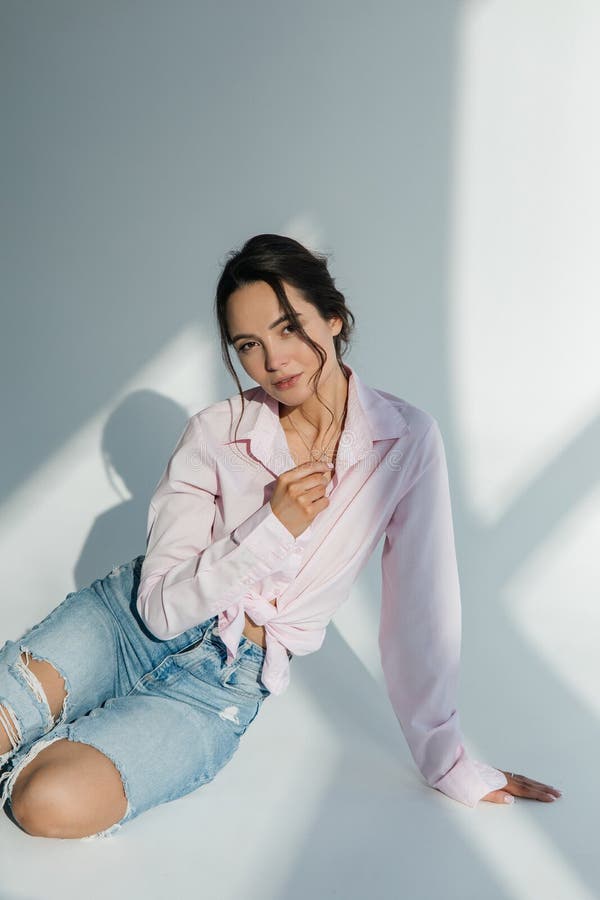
(312, 416)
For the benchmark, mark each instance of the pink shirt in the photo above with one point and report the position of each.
(215, 547)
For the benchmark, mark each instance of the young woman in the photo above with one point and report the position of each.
(137, 689)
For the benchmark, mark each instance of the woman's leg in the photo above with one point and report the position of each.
(44, 678)
(87, 649)
(69, 789)
(76, 644)
(175, 729)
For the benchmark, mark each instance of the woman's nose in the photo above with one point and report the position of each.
(275, 360)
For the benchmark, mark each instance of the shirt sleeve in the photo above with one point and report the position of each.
(187, 578)
(420, 629)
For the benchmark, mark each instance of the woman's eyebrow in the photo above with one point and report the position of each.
(272, 325)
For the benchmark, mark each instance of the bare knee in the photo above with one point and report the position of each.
(69, 790)
(34, 802)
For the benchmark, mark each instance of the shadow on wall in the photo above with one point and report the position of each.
(137, 441)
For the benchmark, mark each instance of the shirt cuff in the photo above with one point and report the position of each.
(469, 780)
(267, 538)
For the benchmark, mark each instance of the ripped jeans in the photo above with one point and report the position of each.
(169, 714)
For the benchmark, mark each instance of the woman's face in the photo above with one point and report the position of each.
(270, 352)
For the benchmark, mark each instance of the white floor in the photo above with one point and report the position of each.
(321, 800)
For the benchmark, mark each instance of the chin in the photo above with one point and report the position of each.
(288, 400)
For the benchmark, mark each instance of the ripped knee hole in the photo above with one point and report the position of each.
(48, 686)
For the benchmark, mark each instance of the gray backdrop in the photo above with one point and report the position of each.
(140, 142)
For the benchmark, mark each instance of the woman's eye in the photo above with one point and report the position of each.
(243, 348)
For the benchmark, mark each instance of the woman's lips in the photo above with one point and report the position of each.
(284, 385)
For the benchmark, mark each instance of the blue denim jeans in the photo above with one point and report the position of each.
(169, 714)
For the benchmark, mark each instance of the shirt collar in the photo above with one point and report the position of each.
(370, 417)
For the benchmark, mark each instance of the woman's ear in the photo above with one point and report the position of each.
(335, 323)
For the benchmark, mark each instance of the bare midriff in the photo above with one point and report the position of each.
(255, 632)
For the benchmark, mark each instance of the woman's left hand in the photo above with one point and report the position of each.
(521, 786)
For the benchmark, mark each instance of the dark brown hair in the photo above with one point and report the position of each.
(275, 258)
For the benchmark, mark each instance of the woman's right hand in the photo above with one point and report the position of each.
(299, 495)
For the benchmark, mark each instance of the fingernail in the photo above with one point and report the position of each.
(508, 798)
(330, 465)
